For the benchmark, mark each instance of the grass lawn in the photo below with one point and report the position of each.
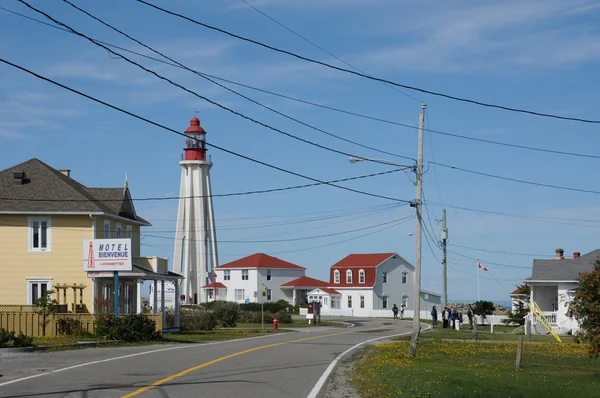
(461, 369)
(501, 333)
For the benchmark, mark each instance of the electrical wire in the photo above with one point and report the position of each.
(322, 49)
(330, 108)
(208, 144)
(267, 126)
(490, 262)
(413, 88)
(233, 91)
(501, 252)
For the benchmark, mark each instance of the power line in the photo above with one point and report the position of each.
(209, 144)
(501, 252)
(233, 91)
(191, 91)
(539, 184)
(244, 193)
(330, 108)
(413, 88)
(489, 262)
(321, 48)
(295, 239)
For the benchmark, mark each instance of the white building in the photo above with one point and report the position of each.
(553, 284)
(169, 294)
(195, 238)
(368, 285)
(244, 280)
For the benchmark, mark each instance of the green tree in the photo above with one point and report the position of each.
(524, 292)
(483, 308)
(585, 307)
(45, 307)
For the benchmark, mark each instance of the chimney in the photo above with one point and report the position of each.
(559, 254)
(576, 255)
(66, 172)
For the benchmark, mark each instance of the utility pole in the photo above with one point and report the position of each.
(412, 351)
(445, 260)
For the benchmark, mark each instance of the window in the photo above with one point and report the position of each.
(362, 301)
(405, 300)
(106, 229)
(37, 288)
(244, 274)
(404, 275)
(326, 300)
(269, 295)
(239, 295)
(361, 276)
(227, 275)
(335, 302)
(119, 230)
(336, 276)
(40, 236)
(384, 278)
(349, 276)
(268, 274)
(349, 301)
(210, 294)
(385, 302)
(129, 231)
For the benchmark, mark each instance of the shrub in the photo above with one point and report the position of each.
(6, 337)
(69, 326)
(518, 330)
(284, 317)
(133, 327)
(22, 341)
(194, 320)
(226, 313)
(269, 306)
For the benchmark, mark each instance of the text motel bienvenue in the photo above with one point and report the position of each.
(113, 250)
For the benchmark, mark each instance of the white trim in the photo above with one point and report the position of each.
(129, 231)
(551, 281)
(76, 213)
(118, 230)
(48, 248)
(336, 276)
(349, 273)
(31, 281)
(431, 293)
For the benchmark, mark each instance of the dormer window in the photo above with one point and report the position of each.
(336, 276)
(349, 276)
(361, 276)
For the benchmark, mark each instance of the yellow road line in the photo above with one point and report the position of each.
(235, 354)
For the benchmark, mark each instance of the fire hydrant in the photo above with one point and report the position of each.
(274, 324)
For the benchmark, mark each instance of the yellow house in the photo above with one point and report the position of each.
(45, 215)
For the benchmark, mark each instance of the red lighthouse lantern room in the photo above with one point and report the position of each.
(195, 141)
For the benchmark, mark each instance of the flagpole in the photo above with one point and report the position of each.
(477, 280)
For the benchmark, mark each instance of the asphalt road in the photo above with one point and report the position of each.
(283, 365)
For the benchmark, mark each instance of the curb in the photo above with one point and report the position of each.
(49, 347)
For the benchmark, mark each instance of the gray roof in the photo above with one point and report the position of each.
(563, 270)
(46, 190)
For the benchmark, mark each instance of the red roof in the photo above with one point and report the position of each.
(305, 281)
(330, 291)
(362, 260)
(355, 262)
(260, 260)
(516, 291)
(215, 285)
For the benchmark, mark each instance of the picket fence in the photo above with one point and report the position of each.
(23, 319)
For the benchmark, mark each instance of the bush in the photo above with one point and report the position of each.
(226, 313)
(518, 330)
(134, 327)
(269, 306)
(284, 317)
(69, 326)
(22, 341)
(6, 337)
(195, 320)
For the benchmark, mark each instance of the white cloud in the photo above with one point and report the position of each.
(11, 134)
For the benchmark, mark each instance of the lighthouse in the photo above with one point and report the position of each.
(196, 253)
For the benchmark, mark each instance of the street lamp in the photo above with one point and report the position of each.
(417, 204)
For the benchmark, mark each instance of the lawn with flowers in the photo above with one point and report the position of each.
(478, 369)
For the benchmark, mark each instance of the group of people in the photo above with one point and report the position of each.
(450, 316)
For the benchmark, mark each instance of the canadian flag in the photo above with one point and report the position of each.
(481, 266)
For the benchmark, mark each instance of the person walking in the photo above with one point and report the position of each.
(434, 317)
(395, 311)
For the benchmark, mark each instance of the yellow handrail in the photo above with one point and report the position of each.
(543, 320)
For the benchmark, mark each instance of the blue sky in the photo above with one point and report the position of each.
(539, 55)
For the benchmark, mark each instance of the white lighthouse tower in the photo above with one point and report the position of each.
(196, 240)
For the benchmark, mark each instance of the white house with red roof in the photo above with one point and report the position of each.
(369, 285)
(244, 280)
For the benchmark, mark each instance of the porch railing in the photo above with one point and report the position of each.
(551, 316)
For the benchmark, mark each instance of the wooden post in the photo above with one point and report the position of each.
(475, 329)
(519, 352)
(528, 329)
